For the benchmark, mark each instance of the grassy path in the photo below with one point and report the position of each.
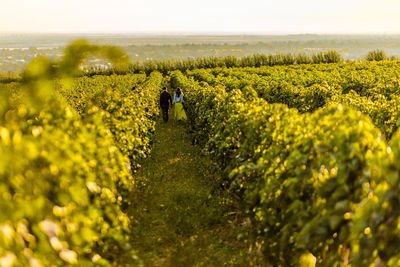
(179, 217)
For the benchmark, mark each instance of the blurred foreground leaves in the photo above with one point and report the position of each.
(66, 149)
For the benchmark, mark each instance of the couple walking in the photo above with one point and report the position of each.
(166, 99)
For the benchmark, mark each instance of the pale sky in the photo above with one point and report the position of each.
(212, 16)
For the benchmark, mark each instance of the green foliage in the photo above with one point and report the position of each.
(327, 57)
(299, 187)
(64, 165)
(376, 55)
(256, 60)
(376, 234)
(121, 97)
(370, 87)
(9, 77)
(77, 51)
(323, 182)
(56, 197)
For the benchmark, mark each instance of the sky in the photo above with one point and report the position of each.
(205, 16)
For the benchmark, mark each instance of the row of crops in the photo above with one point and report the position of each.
(68, 148)
(311, 152)
(372, 88)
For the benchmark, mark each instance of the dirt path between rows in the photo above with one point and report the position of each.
(180, 218)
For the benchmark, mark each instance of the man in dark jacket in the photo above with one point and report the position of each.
(165, 100)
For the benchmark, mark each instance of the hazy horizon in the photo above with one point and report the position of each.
(207, 17)
(201, 33)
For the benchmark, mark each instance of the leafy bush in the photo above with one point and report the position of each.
(376, 55)
(327, 57)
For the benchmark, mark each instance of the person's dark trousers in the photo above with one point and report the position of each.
(165, 113)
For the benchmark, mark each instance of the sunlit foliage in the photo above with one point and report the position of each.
(316, 178)
(66, 149)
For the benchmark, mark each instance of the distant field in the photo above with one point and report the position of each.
(18, 49)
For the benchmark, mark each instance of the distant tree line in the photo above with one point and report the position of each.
(257, 60)
(165, 66)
